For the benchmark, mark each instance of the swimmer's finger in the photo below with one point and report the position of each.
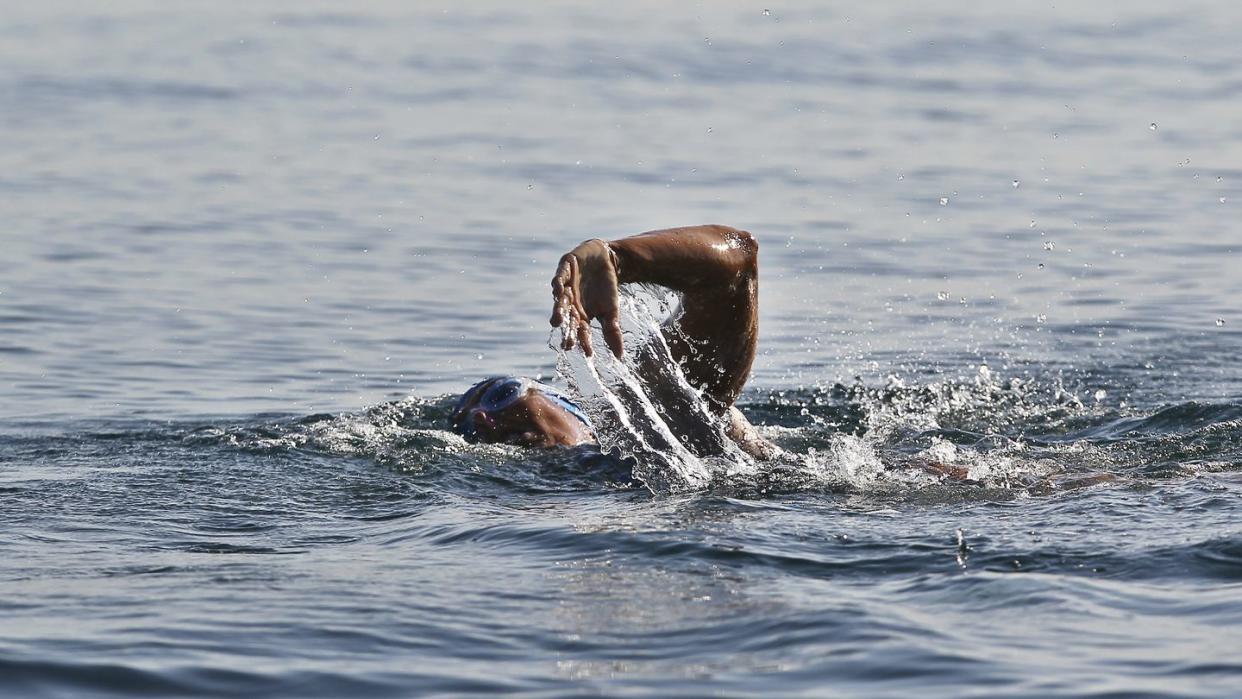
(568, 330)
(573, 307)
(563, 313)
(562, 284)
(612, 334)
(584, 337)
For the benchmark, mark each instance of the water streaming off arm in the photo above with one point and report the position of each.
(644, 408)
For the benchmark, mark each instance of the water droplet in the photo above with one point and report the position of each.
(478, 356)
(709, 129)
(1041, 265)
(1100, 394)
(1220, 322)
(942, 295)
(1041, 318)
(1223, 200)
(902, 177)
(1032, 223)
(1153, 126)
(1016, 184)
(1219, 178)
(530, 186)
(767, 13)
(1049, 245)
(944, 201)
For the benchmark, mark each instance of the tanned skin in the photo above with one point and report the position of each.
(715, 269)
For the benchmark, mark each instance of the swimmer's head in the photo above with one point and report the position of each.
(520, 411)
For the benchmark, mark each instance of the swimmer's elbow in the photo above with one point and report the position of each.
(730, 238)
(749, 245)
(748, 241)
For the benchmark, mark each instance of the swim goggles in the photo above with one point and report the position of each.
(500, 392)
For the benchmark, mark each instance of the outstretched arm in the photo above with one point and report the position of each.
(716, 270)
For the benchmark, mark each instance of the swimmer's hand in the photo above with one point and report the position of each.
(583, 289)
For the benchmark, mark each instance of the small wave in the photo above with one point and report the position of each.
(387, 432)
(123, 89)
(1217, 559)
(1172, 420)
(37, 677)
(412, 436)
(218, 547)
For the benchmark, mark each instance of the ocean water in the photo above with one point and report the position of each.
(249, 253)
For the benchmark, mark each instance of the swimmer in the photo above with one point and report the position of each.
(712, 336)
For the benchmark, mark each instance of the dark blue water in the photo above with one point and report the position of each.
(248, 254)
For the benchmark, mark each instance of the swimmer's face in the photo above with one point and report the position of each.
(509, 411)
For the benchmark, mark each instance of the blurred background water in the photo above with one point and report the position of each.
(247, 250)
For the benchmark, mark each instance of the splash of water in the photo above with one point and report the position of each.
(980, 428)
(644, 408)
(999, 437)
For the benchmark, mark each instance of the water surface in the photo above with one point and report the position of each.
(248, 253)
